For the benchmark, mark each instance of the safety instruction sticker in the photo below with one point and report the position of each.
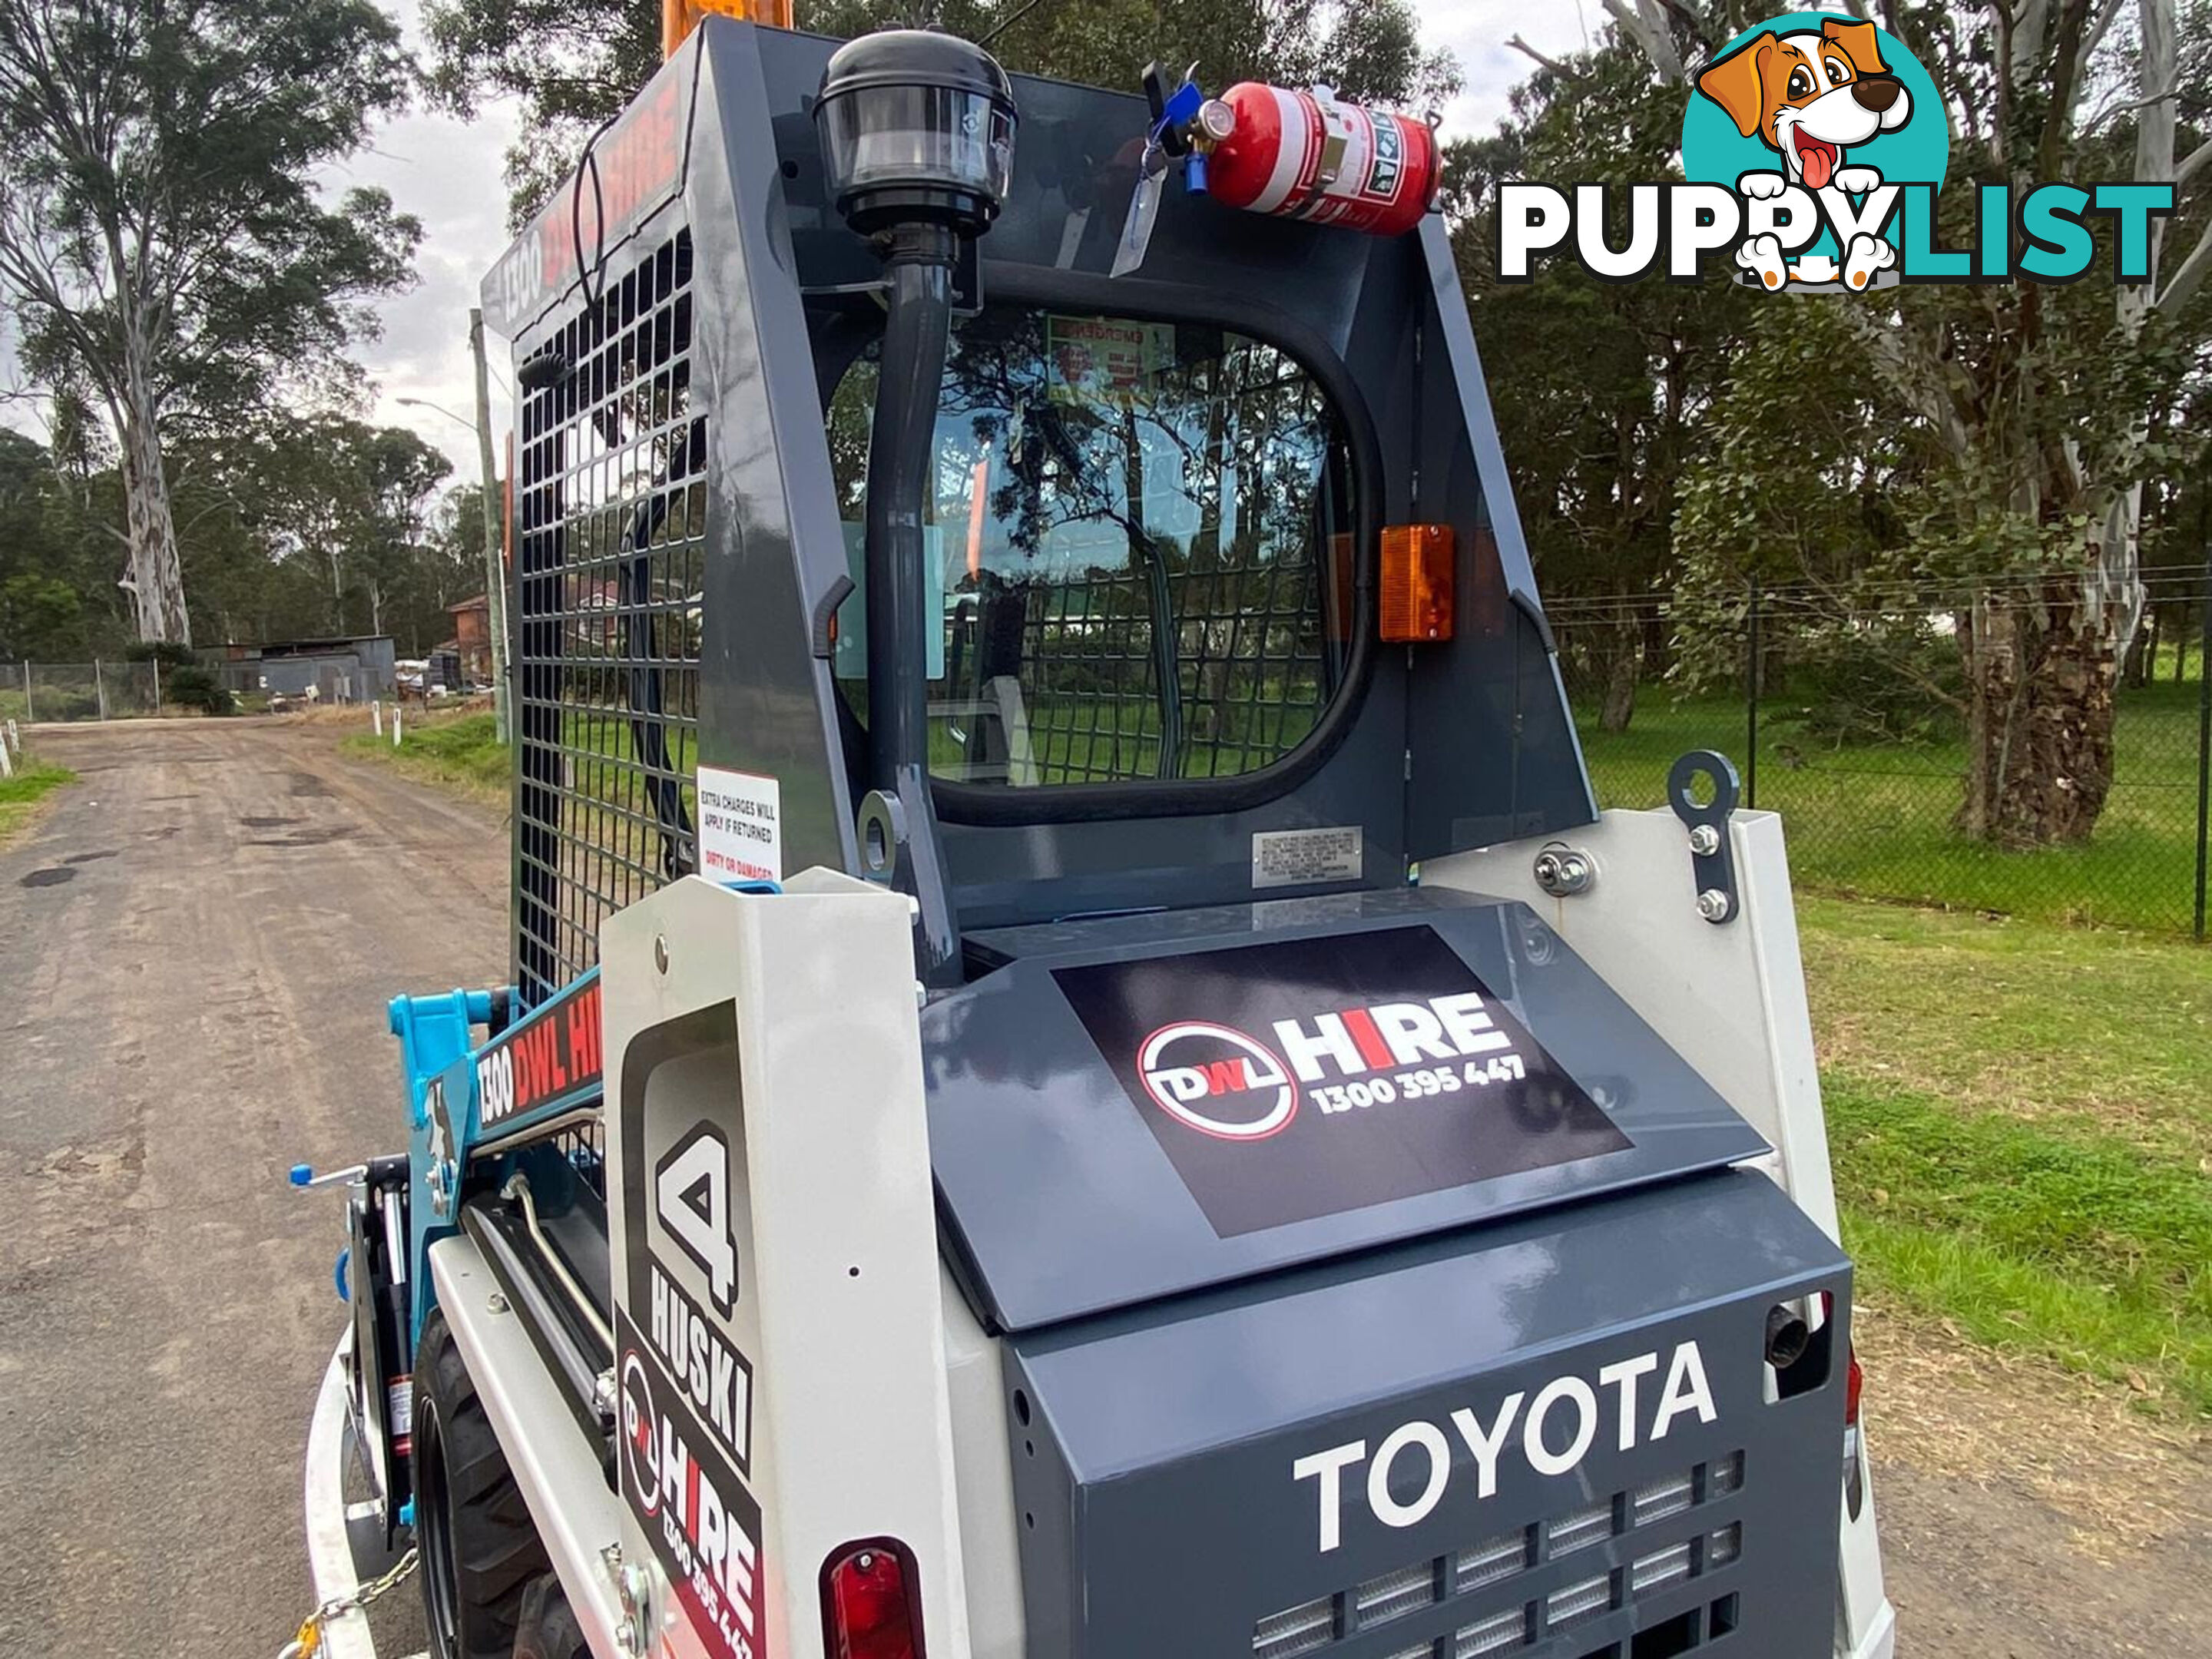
(1301, 858)
(1311, 1077)
(740, 826)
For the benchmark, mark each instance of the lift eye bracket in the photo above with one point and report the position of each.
(1712, 860)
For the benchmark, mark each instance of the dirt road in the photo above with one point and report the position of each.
(196, 947)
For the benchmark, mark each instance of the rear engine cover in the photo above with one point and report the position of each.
(1547, 1436)
(1143, 1106)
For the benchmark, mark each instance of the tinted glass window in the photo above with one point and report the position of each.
(1139, 548)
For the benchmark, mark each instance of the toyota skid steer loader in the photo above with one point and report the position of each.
(1084, 1079)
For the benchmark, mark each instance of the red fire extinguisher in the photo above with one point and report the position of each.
(1305, 155)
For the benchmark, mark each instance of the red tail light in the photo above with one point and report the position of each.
(871, 1601)
(1854, 1384)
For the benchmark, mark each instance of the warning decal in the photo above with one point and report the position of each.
(740, 826)
(702, 1522)
(1311, 1077)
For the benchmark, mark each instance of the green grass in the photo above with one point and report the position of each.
(1875, 821)
(20, 795)
(2020, 1109)
(461, 751)
(2023, 1132)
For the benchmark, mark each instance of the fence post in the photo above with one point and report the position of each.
(7, 766)
(1751, 705)
(99, 688)
(2203, 742)
(28, 713)
(157, 685)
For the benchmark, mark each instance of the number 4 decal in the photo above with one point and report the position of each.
(691, 1195)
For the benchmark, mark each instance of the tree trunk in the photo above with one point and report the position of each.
(2041, 671)
(2135, 672)
(1622, 670)
(157, 579)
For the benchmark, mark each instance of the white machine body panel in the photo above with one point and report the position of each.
(781, 1337)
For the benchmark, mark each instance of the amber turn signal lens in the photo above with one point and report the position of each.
(1420, 561)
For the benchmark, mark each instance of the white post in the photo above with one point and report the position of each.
(395, 725)
(7, 766)
(28, 713)
(15, 736)
(99, 688)
(376, 716)
(157, 685)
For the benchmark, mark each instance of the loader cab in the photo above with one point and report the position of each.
(1158, 675)
(1154, 515)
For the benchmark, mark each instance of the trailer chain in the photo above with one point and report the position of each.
(309, 1641)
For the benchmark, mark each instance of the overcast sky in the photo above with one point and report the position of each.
(446, 173)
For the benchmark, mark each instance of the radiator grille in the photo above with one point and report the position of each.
(610, 543)
(1541, 1623)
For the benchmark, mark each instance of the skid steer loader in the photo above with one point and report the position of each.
(1084, 1079)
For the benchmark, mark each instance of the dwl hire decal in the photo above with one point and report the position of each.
(1301, 1079)
(1813, 145)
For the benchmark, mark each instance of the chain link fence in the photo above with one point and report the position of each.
(1904, 740)
(62, 691)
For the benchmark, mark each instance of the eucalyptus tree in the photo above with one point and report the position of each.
(164, 237)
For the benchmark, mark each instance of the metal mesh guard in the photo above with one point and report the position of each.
(611, 510)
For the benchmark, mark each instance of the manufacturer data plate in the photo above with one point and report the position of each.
(1311, 1077)
(1306, 858)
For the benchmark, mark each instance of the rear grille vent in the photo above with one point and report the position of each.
(1303, 1629)
(1536, 1626)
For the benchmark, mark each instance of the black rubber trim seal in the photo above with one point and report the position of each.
(1042, 285)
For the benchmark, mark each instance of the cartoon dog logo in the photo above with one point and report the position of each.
(1809, 95)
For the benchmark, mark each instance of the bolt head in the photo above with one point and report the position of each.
(661, 952)
(1705, 841)
(495, 1303)
(1563, 871)
(1713, 904)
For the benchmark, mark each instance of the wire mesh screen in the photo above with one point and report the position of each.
(1138, 547)
(1240, 658)
(611, 545)
(584, 1146)
(1896, 731)
(59, 691)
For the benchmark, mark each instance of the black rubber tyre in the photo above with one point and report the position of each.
(479, 1548)
(548, 1628)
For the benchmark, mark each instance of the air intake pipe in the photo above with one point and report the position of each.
(917, 133)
